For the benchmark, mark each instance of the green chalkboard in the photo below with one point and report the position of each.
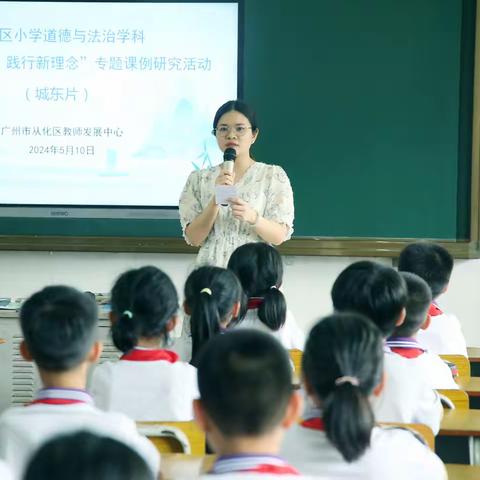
(367, 104)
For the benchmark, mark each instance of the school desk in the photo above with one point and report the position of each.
(473, 354)
(463, 423)
(474, 357)
(179, 465)
(463, 472)
(472, 387)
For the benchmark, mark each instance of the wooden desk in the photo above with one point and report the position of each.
(464, 423)
(179, 465)
(463, 472)
(473, 354)
(472, 387)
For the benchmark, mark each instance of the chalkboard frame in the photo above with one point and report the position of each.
(329, 246)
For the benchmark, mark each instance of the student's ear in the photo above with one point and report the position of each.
(235, 310)
(25, 352)
(427, 322)
(379, 388)
(308, 388)
(172, 323)
(95, 352)
(401, 317)
(113, 317)
(294, 410)
(200, 416)
(186, 308)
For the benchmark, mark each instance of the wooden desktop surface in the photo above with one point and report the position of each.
(461, 423)
(463, 472)
(472, 387)
(179, 465)
(474, 354)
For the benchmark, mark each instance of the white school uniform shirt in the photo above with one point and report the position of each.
(24, 429)
(407, 396)
(289, 335)
(436, 371)
(5, 472)
(394, 454)
(146, 385)
(444, 336)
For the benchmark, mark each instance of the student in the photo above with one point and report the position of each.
(434, 264)
(260, 270)
(404, 339)
(380, 293)
(212, 302)
(59, 325)
(86, 456)
(342, 369)
(246, 402)
(148, 382)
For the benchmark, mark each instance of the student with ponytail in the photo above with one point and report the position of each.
(260, 271)
(342, 369)
(212, 301)
(148, 382)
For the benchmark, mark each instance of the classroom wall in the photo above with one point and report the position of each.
(307, 280)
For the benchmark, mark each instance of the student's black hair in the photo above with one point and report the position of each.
(236, 106)
(259, 268)
(344, 345)
(59, 326)
(85, 456)
(244, 379)
(418, 301)
(143, 301)
(372, 289)
(210, 294)
(429, 261)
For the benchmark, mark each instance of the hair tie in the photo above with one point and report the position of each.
(347, 379)
(128, 313)
(206, 290)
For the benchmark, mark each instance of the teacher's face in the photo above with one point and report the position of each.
(238, 133)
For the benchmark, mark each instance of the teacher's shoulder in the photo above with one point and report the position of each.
(204, 174)
(276, 173)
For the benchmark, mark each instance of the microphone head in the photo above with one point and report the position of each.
(230, 154)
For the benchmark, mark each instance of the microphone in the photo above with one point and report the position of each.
(229, 156)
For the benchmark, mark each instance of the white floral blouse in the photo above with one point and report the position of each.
(266, 188)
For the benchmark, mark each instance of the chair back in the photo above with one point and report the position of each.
(418, 429)
(174, 437)
(296, 357)
(463, 366)
(459, 398)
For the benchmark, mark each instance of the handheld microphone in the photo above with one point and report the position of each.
(229, 156)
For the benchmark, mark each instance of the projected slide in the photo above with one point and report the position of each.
(111, 104)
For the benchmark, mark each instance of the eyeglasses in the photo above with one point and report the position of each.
(223, 131)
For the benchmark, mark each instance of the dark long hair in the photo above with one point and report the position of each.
(210, 295)
(260, 271)
(143, 300)
(345, 345)
(236, 106)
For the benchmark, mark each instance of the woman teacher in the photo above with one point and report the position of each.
(261, 211)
